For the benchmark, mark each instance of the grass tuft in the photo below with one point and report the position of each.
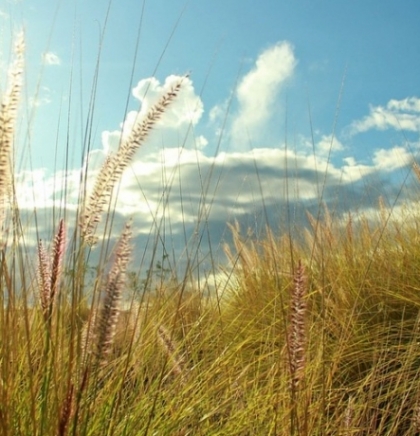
(328, 345)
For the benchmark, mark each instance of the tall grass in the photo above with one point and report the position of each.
(316, 334)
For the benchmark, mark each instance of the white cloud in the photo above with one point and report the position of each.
(329, 144)
(38, 190)
(185, 190)
(186, 109)
(397, 114)
(326, 145)
(392, 159)
(217, 112)
(354, 171)
(174, 129)
(257, 91)
(201, 142)
(42, 98)
(183, 184)
(51, 58)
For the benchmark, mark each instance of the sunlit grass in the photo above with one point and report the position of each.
(315, 333)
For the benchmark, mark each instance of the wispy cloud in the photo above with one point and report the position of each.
(50, 58)
(43, 98)
(397, 114)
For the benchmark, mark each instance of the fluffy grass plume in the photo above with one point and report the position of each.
(114, 286)
(49, 271)
(8, 114)
(297, 328)
(177, 363)
(115, 164)
(66, 411)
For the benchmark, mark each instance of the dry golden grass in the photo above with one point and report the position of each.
(317, 334)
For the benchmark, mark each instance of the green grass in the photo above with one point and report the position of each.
(310, 335)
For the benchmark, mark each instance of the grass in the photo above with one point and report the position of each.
(312, 334)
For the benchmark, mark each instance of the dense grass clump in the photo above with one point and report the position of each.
(315, 334)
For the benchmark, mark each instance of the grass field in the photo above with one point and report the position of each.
(315, 333)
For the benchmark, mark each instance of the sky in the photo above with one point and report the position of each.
(286, 105)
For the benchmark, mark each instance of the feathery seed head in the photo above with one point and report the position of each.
(44, 278)
(170, 348)
(115, 164)
(108, 316)
(8, 114)
(297, 331)
(49, 273)
(58, 256)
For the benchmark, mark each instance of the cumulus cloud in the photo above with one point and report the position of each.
(183, 199)
(186, 109)
(392, 159)
(258, 89)
(185, 187)
(185, 184)
(324, 146)
(39, 190)
(354, 171)
(329, 144)
(173, 129)
(397, 114)
(50, 58)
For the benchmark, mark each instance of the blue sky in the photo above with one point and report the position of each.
(270, 83)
